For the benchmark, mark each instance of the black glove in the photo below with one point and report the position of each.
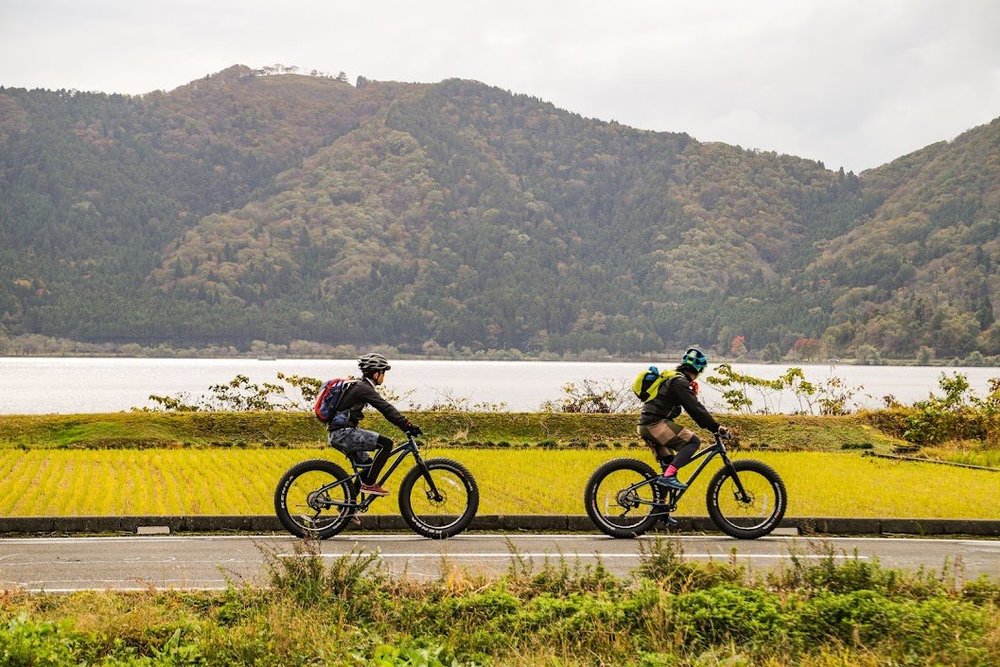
(413, 429)
(723, 432)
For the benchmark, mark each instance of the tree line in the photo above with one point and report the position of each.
(249, 207)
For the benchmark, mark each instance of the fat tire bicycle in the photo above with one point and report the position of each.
(316, 499)
(746, 498)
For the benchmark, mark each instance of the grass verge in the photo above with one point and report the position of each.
(462, 429)
(669, 612)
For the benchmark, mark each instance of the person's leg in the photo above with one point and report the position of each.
(656, 436)
(381, 458)
(685, 444)
(664, 457)
(683, 456)
(356, 443)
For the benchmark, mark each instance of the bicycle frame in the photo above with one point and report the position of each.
(401, 451)
(674, 495)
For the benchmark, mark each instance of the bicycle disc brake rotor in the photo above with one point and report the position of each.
(441, 496)
(437, 498)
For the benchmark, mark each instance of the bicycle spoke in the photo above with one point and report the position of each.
(439, 499)
(623, 507)
(755, 511)
(442, 505)
(751, 510)
(315, 500)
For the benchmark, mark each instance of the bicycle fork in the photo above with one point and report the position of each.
(432, 493)
(742, 495)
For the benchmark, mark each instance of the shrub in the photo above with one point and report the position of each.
(412, 653)
(28, 642)
(937, 627)
(956, 414)
(593, 396)
(242, 395)
(306, 578)
(830, 397)
(721, 615)
(662, 561)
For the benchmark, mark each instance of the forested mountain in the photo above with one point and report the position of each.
(246, 206)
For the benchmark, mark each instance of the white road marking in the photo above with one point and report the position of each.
(383, 537)
(548, 554)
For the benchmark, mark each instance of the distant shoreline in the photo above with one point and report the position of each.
(487, 356)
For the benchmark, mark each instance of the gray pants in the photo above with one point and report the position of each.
(355, 443)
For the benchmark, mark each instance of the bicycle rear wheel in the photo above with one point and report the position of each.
(443, 509)
(758, 512)
(615, 508)
(314, 499)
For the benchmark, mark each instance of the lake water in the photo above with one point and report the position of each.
(67, 385)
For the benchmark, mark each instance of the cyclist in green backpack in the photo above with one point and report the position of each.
(673, 445)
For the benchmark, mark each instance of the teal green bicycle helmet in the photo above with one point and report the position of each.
(694, 359)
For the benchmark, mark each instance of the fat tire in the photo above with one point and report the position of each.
(590, 498)
(281, 498)
(463, 520)
(767, 524)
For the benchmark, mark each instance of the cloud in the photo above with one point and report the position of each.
(851, 83)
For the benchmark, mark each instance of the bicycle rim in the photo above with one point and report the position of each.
(317, 500)
(443, 509)
(620, 507)
(754, 515)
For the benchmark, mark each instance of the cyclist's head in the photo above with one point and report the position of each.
(373, 363)
(694, 360)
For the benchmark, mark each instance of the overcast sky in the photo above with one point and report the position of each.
(852, 83)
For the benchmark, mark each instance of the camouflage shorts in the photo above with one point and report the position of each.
(355, 443)
(664, 436)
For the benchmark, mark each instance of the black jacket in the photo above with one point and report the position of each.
(363, 393)
(675, 393)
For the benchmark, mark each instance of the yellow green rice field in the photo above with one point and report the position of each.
(66, 482)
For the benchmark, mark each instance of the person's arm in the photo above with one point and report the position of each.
(680, 388)
(372, 398)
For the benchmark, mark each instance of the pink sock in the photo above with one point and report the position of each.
(670, 471)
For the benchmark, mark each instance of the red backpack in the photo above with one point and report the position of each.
(328, 400)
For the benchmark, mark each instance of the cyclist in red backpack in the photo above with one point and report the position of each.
(356, 442)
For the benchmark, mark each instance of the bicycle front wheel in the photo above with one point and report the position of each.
(616, 505)
(754, 513)
(440, 500)
(314, 499)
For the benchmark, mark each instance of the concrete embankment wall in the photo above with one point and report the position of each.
(568, 523)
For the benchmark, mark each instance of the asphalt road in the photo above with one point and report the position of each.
(209, 562)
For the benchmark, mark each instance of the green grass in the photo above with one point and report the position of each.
(964, 451)
(467, 429)
(348, 611)
(54, 482)
(159, 429)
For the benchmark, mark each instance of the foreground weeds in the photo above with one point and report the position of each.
(822, 609)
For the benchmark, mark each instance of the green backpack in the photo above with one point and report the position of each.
(648, 382)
